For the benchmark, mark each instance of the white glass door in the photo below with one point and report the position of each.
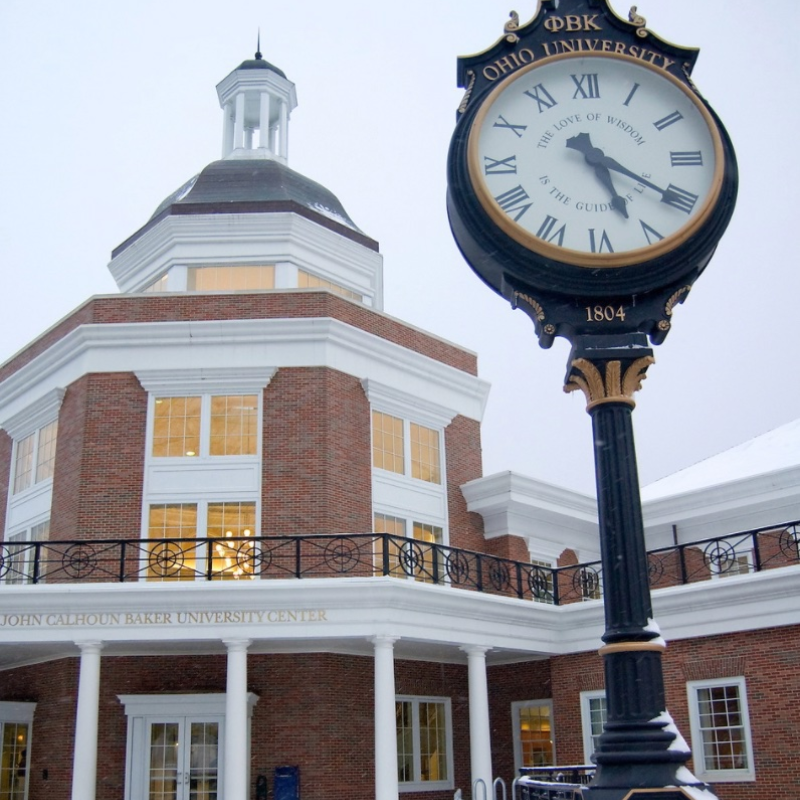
(182, 759)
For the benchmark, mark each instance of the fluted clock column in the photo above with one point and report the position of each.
(639, 747)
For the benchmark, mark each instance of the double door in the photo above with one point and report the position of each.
(182, 759)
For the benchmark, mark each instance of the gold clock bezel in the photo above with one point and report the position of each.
(580, 258)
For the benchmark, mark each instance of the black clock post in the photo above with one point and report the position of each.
(589, 184)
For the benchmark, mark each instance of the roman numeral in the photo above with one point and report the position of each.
(670, 119)
(503, 166)
(651, 234)
(679, 198)
(504, 123)
(541, 96)
(632, 93)
(513, 202)
(604, 243)
(547, 233)
(588, 87)
(686, 158)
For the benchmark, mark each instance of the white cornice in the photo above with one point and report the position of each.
(234, 380)
(39, 413)
(234, 344)
(402, 404)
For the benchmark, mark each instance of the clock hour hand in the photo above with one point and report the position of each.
(594, 157)
(618, 203)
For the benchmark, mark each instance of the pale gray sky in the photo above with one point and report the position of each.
(109, 107)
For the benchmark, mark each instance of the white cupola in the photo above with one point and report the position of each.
(257, 99)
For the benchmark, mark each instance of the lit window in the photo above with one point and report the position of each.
(533, 733)
(22, 554)
(424, 743)
(230, 279)
(157, 286)
(593, 720)
(35, 457)
(722, 745)
(179, 556)
(225, 425)
(15, 733)
(392, 437)
(305, 280)
(405, 560)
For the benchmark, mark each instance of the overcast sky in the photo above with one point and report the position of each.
(110, 106)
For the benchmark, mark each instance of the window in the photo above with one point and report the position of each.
(533, 733)
(305, 280)
(178, 556)
(206, 425)
(593, 719)
(424, 743)
(22, 554)
(35, 457)
(727, 558)
(722, 746)
(15, 735)
(230, 279)
(542, 583)
(397, 442)
(405, 559)
(159, 285)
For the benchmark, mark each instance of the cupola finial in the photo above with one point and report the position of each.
(258, 47)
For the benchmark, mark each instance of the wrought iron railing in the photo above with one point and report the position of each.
(553, 783)
(379, 554)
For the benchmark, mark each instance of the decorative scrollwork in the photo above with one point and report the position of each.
(499, 576)
(534, 304)
(511, 27)
(719, 556)
(586, 582)
(605, 381)
(639, 21)
(539, 583)
(250, 558)
(677, 297)
(166, 560)
(468, 93)
(5, 561)
(456, 566)
(79, 560)
(655, 570)
(342, 555)
(790, 543)
(411, 558)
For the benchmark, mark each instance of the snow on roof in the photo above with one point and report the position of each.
(778, 449)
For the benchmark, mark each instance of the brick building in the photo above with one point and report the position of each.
(246, 528)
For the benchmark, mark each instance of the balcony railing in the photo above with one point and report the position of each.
(379, 554)
(552, 783)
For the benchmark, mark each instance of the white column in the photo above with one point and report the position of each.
(284, 134)
(480, 745)
(238, 122)
(385, 722)
(227, 130)
(263, 122)
(237, 754)
(84, 758)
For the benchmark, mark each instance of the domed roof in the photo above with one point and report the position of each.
(253, 185)
(259, 63)
(237, 181)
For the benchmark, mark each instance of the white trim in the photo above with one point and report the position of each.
(11, 711)
(586, 721)
(211, 344)
(428, 786)
(399, 403)
(727, 775)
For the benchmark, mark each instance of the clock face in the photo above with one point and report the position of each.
(596, 161)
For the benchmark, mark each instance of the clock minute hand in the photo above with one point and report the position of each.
(610, 163)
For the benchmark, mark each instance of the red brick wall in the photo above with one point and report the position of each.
(769, 660)
(316, 462)
(97, 486)
(279, 305)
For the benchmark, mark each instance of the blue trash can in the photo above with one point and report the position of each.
(287, 783)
